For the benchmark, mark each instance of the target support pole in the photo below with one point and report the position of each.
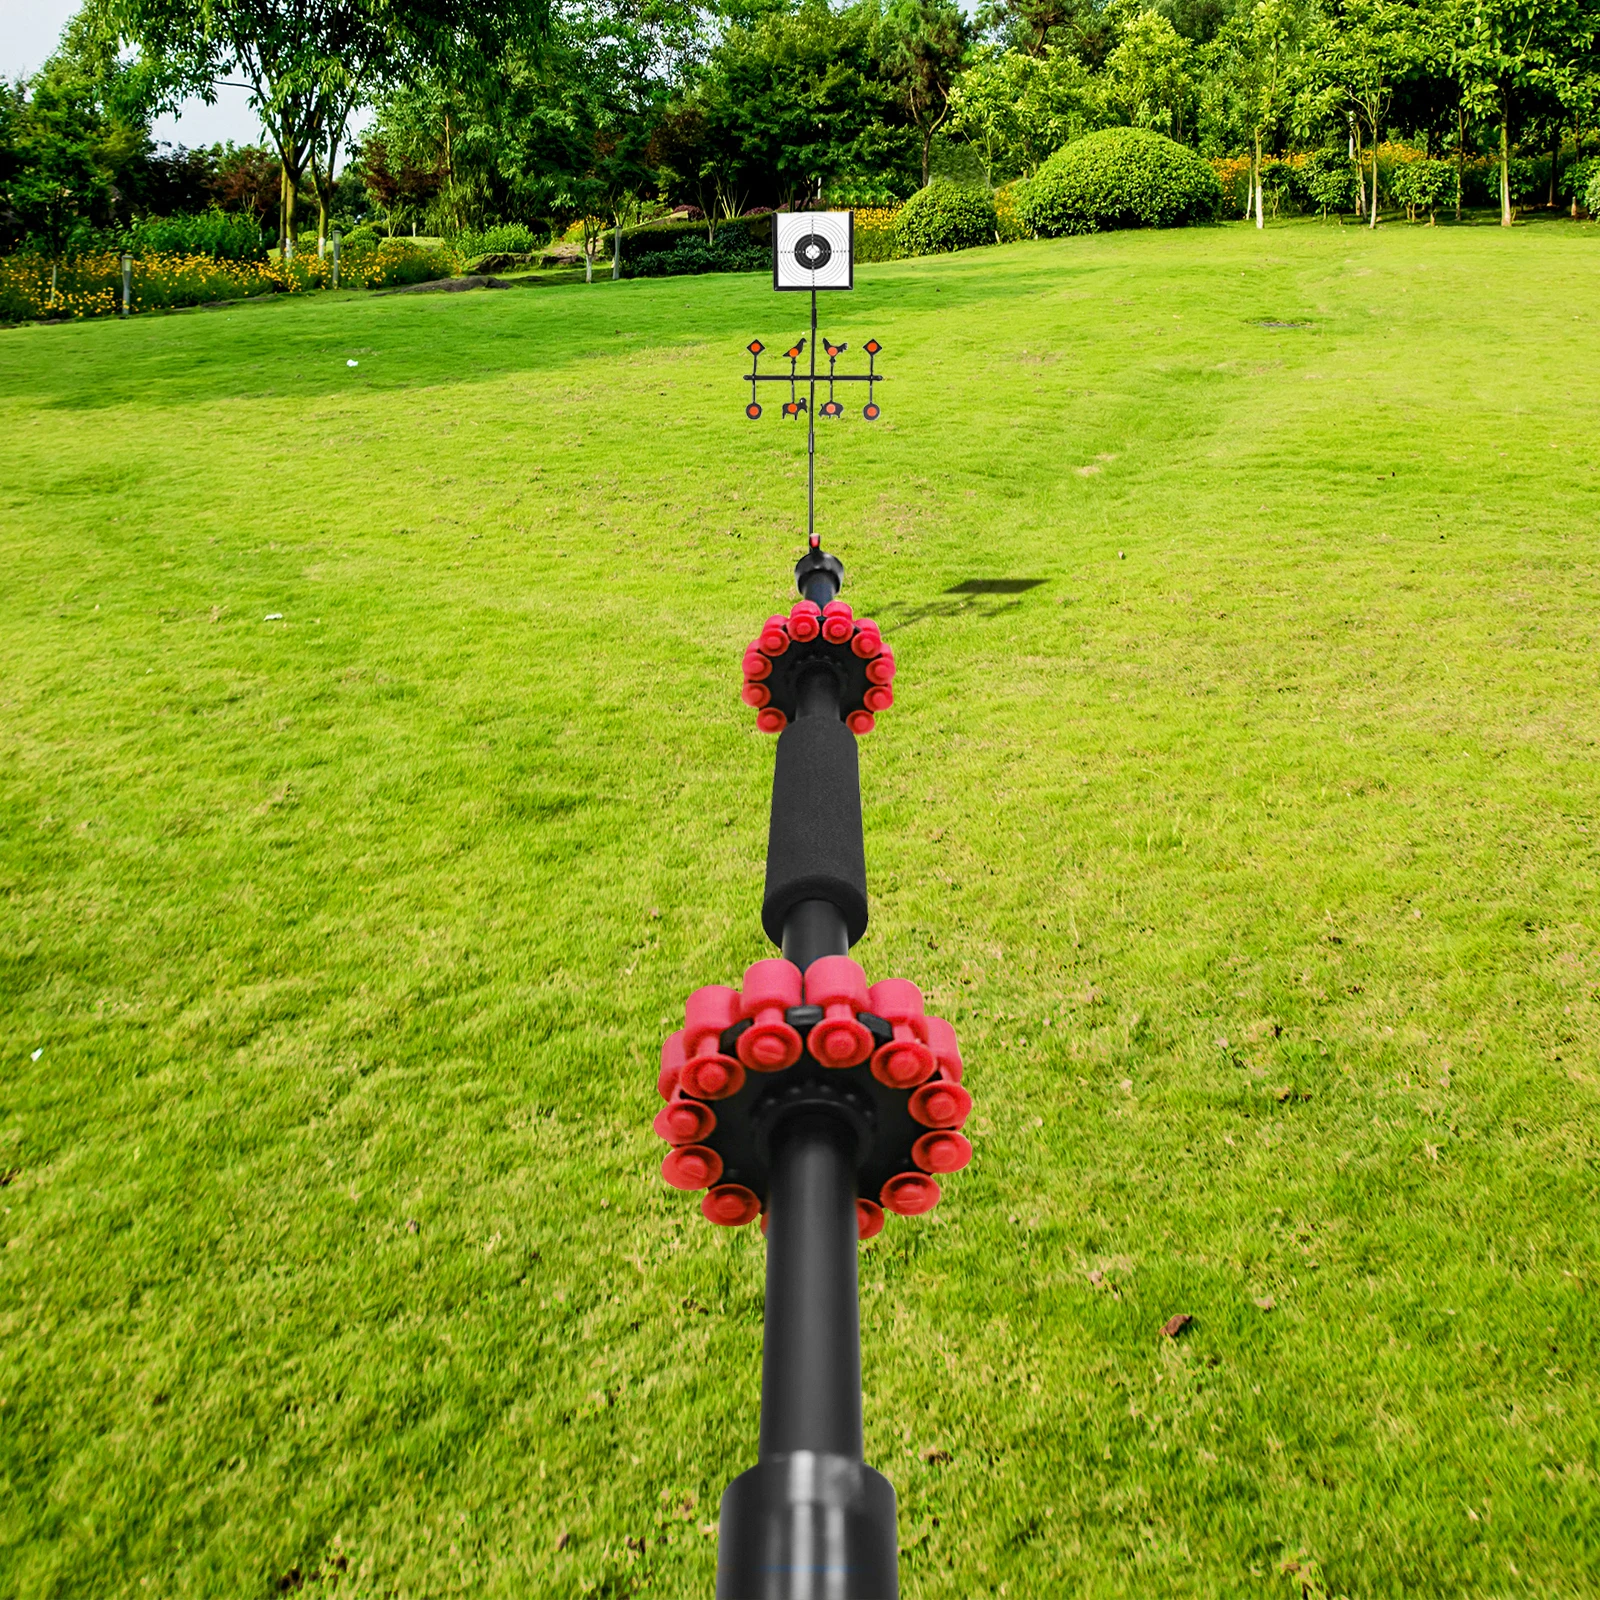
(811, 431)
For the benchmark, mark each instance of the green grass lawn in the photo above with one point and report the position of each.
(1253, 853)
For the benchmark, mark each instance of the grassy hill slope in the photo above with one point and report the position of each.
(1252, 851)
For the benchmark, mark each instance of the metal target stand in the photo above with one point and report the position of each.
(806, 1098)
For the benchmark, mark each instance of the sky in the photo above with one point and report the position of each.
(29, 30)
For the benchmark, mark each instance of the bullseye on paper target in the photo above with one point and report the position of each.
(813, 250)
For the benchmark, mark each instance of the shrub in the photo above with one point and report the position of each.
(1330, 180)
(1119, 178)
(652, 238)
(509, 238)
(1591, 195)
(1287, 185)
(1423, 186)
(694, 255)
(387, 264)
(1576, 179)
(945, 216)
(224, 235)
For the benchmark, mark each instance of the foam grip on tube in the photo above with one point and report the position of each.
(682, 1121)
(672, 1060)
(730, 1205)
(879, 697)
(861, 722)
(838, 621)
(755, 694)
(756, 665)
(839, 986)
(938, 1104)
(907, 1194)
(869, 1219)
(772, 720)
(942, 1041)
(905, 1061)
(814, 845)
(693, 1166)
(805, 621)
(881, 668)
(944, 1151)
(868, 641)
(774, 638)
(769, 1044)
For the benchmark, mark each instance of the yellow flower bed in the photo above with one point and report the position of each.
(91, 285)
(874, 234)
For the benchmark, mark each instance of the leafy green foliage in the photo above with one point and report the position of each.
(507, 238)
(1119, 178)
(693, 255)
(945, 216)
(1576, 176)
(1018, 109)
(1330, 180)
(229, 237)
(788, 100)
(1591, 195)
(1423, 185)
(753, 231)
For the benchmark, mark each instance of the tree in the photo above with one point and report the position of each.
(1255, 61)
(924, 46)
(1083, 28)
(1150, 80)
(1506, 53)
(309, 63)
(72, 135)
(1359, 55)
(793, 101)
(1017, 110)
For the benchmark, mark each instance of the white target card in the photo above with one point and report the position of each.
(813, 250)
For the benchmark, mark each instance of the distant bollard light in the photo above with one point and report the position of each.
(127, 284)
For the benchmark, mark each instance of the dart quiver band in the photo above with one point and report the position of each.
(816, 1103)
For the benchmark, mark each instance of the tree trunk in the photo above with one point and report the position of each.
(1361, 171)
(927, 146)
(1374, 222)
(1505, 170)
(1461, 152)
(1555, 166)
(616, 248)
(1256, 169)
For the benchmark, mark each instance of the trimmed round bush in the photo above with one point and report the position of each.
(945, 216)
(1119, 178)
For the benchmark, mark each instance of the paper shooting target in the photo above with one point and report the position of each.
(813, 250)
